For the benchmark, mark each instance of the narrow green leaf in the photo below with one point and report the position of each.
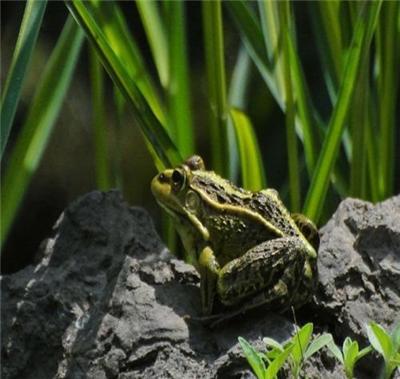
(319, 185)
(120, 104)
(108, 17)
(254, 359)
(396, 360)
(249, 152)
(291, 138)
(252, 37)
(359, 122)
(272, 343)
(117, 53)
(364, 352)
(318, 344)
(214, 52)
(301, 340)
(326, 20)
(372, 162)
(237, 98)
(380, 340)
(305, 109)
(395, 336)
(273, 33)
(103, 178)
(335, 351)
(36, 131)
(181, 124)
(388, 57)
(31, 22)
(277, 363)
(350, 357)
(253, 40)
(156, 36)
(346, 345)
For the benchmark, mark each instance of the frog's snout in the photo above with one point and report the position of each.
(160, 185)
(162, 178)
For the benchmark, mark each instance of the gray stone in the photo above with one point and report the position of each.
(107, 300)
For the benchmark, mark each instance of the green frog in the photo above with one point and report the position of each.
(249, 250)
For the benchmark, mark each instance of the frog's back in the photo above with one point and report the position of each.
(263, 208)
(268, 205)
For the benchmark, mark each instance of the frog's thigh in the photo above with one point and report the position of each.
(273, 267)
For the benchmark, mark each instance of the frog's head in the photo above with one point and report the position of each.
(172, 190)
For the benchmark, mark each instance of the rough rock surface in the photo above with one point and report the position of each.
(107, 300)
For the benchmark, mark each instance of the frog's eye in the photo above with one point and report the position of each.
(178, 179)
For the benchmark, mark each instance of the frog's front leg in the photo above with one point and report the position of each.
(269, 273)
(208, 268)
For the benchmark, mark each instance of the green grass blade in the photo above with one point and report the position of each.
(350, 356)
(117, 155)
(215, 64)
(380, 340)
(252, 37)
(273, 30)
(372, 162)
(395, 336)
(305, 109)
(111, 21)
(335, 351)
(156, 35)
(270, 342)
(278, 362)
(253, 357)
(361, 40)
(301, 341)
(387, 83)
(359, 122)
(317, 344)
(238, 86)
(181, 124)
(326, 19)
(250, 157)
(364, 352)
(31, 22)
(37, 128)
(237, 98)
(115, 51)
(103, 177)
(291, 138)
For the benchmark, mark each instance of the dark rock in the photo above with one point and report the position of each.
(106, 298)
(359, 272)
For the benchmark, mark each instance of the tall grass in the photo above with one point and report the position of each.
(349, 151)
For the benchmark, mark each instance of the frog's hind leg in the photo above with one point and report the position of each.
(268, 273)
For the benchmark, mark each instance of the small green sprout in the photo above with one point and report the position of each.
(257, 360)
(303, 347)
(295, 351)
(386, 345)
(349, 355)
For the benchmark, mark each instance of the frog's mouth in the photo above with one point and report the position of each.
(167, 200)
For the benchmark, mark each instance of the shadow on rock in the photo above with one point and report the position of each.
(106, 298)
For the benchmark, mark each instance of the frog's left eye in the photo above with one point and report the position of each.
(178, 179)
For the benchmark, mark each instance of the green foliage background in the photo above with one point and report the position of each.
(298, 96)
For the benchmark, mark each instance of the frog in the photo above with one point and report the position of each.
(247, 247)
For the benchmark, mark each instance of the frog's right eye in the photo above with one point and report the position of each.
(178, 179)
